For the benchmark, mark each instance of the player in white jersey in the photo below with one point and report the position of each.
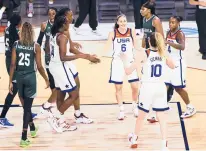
(60, 69)
(153, 77)
(175, 41)
(124, 40)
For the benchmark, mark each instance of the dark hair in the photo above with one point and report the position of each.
(13, 34)
(157, 41)
(62, 12)
(116, 26)
(178, 18)
(51, 8)
(151, 6)
(58, 23)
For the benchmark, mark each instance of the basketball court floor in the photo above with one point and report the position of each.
(98, 102)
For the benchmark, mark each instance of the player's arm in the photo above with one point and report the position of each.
(181, 42)
(200, 3)
(62, 41)
(134, 39)
(108, 44)
(158, 26)
(143, 42)
(12, 69)
(41, 33)
(39, 64)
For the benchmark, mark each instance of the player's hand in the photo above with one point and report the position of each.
(94, 59)
(202, 3)
(76, 45)
(47, 83)
(123, 56)
(11, 88)
(128, 71)
(166, 42)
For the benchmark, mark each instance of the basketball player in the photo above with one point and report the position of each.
(25, 55)
(175, 41)
(151, 23)
(124, 40)
(63, 77)
(46, 31)
(79, 116)
(153, 77)
(10, 36)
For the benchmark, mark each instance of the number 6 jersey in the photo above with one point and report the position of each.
(154, 68)
(123, 43)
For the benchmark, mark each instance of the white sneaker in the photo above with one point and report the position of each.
(96, 32)
(189, 112)
(121, 115)
(51, 2)
(53, 122)
(66, 127)
(132, 138)
(135, 110)
(83, 119)
(77, 30)
(30, 14)
(46, 111)
(164, 148)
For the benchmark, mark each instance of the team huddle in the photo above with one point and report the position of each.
(161, 68)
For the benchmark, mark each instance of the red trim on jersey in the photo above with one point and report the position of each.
(126, 34)
(174, 35)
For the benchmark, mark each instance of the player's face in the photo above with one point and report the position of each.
(173, 23)
(144, 11)
(66, 25)
(69, 16)
(122, 22)
(51, 15)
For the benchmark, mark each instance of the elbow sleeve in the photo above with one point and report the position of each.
(40, 38)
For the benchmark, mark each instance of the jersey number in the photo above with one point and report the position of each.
(123, 47)
(169, 47)
(52, 50)
(7, 44)
(24, 59)
(156, 70)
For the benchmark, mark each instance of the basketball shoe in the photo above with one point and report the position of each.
(189, 112)
(83, 119)
(132, 138)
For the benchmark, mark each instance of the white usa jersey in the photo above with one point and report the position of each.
(123, 43)
(54, 50)
(174, 54)
(154, 68)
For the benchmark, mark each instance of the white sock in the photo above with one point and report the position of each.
(164, 143)
(121, 107)
(47, 104)
(77, 113)
(134, 104)
(190, 105)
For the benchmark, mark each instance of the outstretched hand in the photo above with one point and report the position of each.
(94, 59)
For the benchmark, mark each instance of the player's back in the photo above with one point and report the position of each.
(123, 43)
(174, 53)
(25, 58)
(154, 68)
(54, 49)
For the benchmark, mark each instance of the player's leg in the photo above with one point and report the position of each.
(79, 116)
(27, 91)
(116, 77)
(179, 83)
(133, 80)
(160, 105)
(30, 9)
(145, 100)
(46, 107)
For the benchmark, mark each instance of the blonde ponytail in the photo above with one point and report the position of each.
(160, 44)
